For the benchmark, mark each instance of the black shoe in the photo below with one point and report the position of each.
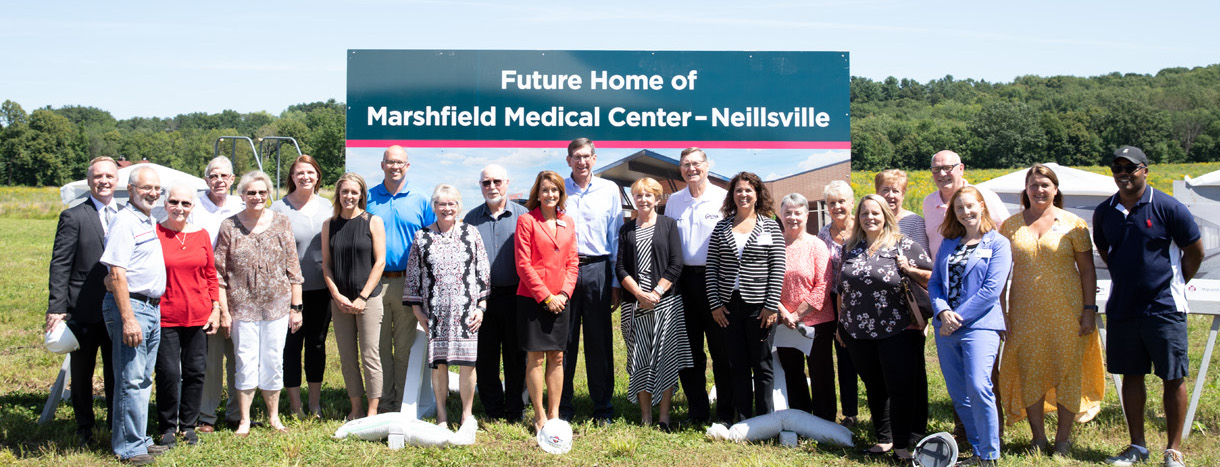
(664, 427)
(602, 421)
(870, 453)
(84, 438)
(157, 450)
(142, 459)
(167, 439)
(191, 438)
(696, 422)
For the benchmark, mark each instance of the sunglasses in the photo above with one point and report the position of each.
(174, 202)
(256, 192)
(487, 183)
(1125, 168)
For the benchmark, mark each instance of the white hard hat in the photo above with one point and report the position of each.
(555, 436)
(936, 450)
(60, 339)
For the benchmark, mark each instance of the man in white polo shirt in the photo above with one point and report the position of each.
(133, 315)
(697, 210)
(213, 208)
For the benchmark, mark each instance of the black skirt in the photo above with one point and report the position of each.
(540, 330)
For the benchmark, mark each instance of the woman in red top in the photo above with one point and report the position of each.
(545, 247)
(190, 310)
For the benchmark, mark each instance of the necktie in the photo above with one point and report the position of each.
(109, 217)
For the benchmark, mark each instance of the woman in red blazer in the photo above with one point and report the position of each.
(545, 247)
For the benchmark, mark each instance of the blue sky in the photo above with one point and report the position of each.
(149, 59)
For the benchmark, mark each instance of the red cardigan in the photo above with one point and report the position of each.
(546, 264)
(190, 278)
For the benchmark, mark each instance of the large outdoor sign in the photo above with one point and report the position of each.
(460, 109)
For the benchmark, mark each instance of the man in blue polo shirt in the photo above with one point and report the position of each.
(1150, 244)
(404, 211)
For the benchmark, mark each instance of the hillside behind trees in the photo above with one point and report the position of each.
(896, 123)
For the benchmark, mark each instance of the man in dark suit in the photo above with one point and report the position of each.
(76, 289)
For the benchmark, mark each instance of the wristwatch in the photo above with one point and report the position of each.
(297, 307)
(1091, 307)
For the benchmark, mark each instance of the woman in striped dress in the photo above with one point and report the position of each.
(649, 262)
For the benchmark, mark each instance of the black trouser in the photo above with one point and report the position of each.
(698, 323)
(91, 337)
(315, 322)
(821, 402)
(749, 358)
(498, 336)
(590, 305)
(849, 392)
(895, 383)
(181, 362)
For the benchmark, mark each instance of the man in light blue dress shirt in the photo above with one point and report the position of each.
(597, 207)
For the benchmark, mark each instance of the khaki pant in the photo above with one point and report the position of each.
(363, 329)
(217, 371)
(398, 330)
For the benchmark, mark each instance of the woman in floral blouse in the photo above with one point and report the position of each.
(260, 286)
(885, 345)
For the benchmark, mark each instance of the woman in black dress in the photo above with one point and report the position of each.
(353, 256)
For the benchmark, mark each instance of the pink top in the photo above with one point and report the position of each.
(807, 279)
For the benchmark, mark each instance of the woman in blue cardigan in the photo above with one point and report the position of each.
(971, 269)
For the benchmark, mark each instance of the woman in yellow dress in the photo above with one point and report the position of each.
(1052, 356)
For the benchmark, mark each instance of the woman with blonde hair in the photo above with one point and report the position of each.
(649, 262)
(353, 257)
(885, 343)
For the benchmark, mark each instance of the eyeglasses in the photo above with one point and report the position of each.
(148, 188)
(256, 192)
(393, 163)
(183, 203)
(691, 165)
(945, 168)
(447, 204)
(487, 183)
(219, 176)
(1125, 168)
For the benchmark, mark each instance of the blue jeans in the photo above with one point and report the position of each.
(133, 368)
(966, 359)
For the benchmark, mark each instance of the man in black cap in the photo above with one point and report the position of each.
(1150, 243)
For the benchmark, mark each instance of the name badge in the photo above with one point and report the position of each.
(984, 253)
(561, 223)
(764, 239)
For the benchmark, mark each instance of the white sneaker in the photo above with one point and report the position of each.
(1174, 458)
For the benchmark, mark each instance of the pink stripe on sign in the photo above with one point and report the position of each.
(435, 143)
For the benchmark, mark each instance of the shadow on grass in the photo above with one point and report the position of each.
(21, 435)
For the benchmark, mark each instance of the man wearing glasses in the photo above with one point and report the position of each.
(696, 209)
(948, 174)
(211, 209)
(1150, 243)
(404, 212)
(133, 315)
(496, 221)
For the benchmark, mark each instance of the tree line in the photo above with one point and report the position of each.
(1174, 115)
(52, 146)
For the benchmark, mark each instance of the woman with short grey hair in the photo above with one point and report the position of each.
(805, 302)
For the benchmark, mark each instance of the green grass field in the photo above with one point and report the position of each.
(27, 372)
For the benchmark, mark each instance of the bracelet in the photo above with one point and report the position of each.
(1091, 307)
(362, 297)
(548, 300)
(297, 308)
